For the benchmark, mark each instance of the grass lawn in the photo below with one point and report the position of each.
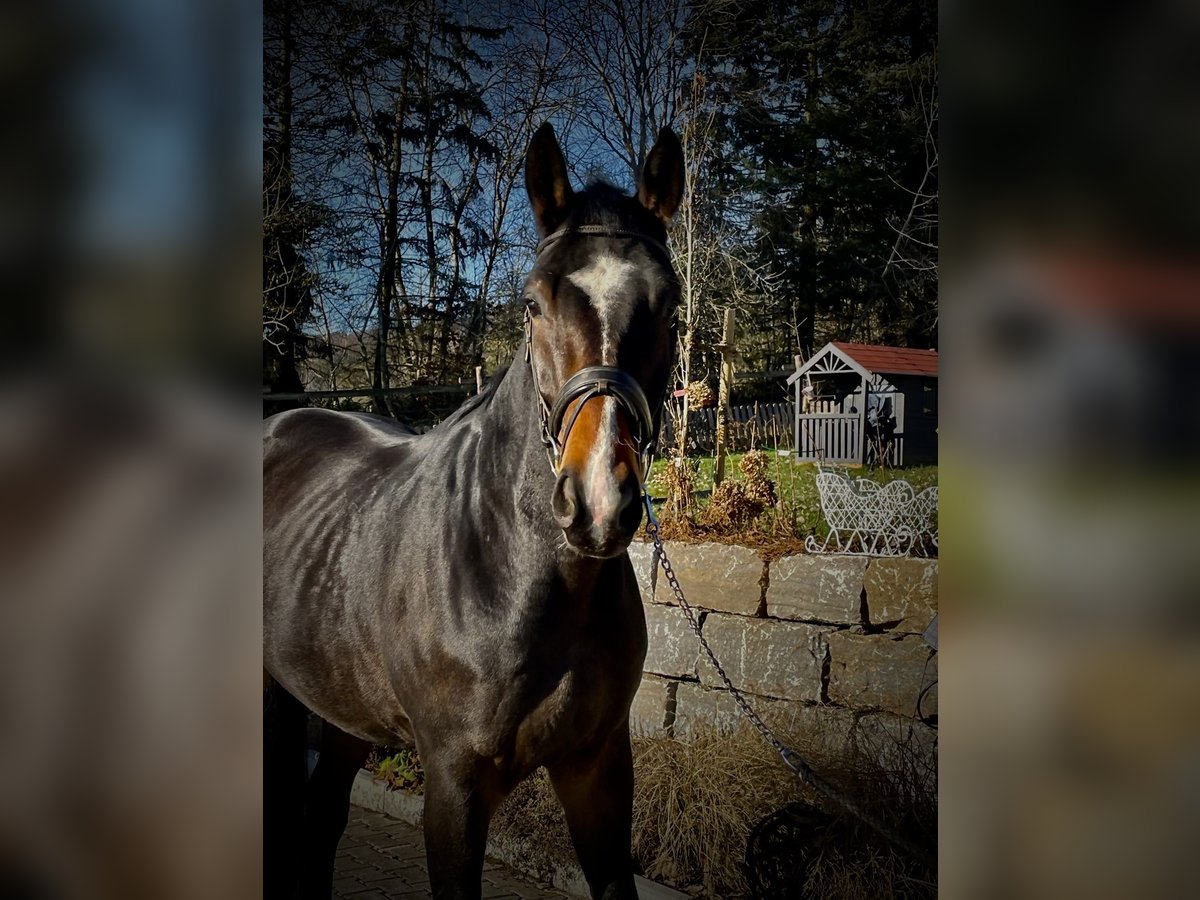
(798, 512)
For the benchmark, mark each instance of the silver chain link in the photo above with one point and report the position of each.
(793, 760)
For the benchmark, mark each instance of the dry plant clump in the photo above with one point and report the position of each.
(853, 862)
(754, 466)
(731, 507)
(532, 816)
(736, 504)
(843, 871)
(677, 480)
(700, 395)
(696, 804)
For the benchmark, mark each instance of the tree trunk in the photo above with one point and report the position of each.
(726, 386)
(386, 288)
(284, 299)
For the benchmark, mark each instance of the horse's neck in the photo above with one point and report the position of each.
(510, 428)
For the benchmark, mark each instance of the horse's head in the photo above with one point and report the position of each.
(600, 330)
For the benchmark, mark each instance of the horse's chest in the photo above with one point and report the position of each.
(561, 714)
(578, 709)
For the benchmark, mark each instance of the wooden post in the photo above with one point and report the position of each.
(685, 404)
(728, 352)
(798, 394)
(862, 425)
(479, 379)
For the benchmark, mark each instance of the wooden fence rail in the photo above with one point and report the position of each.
(421, 390)
(751, 424)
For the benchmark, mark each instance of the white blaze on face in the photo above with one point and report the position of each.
(603, 492)
(602, 280)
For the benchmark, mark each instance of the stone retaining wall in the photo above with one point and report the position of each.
(831, 643)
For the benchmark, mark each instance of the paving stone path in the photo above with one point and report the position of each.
(380, 858)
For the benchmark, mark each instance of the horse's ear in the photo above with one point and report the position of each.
(546, 180)
(661, 187)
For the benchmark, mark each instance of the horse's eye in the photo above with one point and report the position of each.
(666, 303)
(532, 305)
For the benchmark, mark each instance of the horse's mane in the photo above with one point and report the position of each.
(481, 399)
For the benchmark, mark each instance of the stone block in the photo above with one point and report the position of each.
(764, 656)
(653, 707)
(703, 710)
(902, 591)
(817, 588)
(873, 671)
(811, 729)
(671, 644)
(373, 795)
(715, 576)
(641, 555)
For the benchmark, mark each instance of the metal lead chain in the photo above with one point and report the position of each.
(790, 757)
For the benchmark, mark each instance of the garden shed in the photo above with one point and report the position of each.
(867, 404)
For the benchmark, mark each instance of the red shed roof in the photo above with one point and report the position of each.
(891, 360)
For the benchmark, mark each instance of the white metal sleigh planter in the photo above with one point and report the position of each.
(873, 519)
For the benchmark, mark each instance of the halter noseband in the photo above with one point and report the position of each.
(593, 381)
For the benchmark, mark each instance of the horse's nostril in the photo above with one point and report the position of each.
(565, 502)
(630, 515)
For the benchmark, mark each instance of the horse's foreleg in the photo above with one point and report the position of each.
(460, 798)
(283, 790)
(596, 792)
(327, 807)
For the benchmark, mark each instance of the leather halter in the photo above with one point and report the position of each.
(593, 381)
(600, 231)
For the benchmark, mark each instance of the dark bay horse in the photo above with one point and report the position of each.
(468, 590)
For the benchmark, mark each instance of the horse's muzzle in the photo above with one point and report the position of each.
(598, 520)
